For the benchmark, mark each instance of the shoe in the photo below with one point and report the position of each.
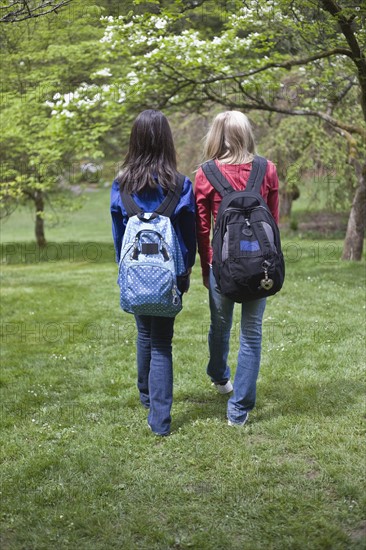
(227, 387)
(238, 424)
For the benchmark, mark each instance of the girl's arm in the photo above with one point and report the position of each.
(119, 220)
(203, 222)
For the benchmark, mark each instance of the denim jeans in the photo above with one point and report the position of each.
(155, 369)
(250, 343)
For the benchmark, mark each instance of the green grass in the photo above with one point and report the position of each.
(80, 468)
(91, 223)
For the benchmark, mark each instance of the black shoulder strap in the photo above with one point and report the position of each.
(257, 173)
(171, 200)
(216, 178)
(222, 186)
(166, 208)
(131, 207)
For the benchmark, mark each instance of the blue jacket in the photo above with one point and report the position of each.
(183, 218)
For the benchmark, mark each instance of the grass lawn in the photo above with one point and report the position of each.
(80, 468)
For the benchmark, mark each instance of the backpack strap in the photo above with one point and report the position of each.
(216, 178)
(130, 206)
(171, 200)
(222, 186)
(166, 208)
(257, 173)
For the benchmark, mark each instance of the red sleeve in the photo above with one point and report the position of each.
(271, 184)
(202, 191)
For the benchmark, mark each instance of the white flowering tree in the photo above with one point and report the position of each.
(288, 57)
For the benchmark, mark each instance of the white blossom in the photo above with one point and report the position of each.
(103, 72)
(122, 97)
(133, 78)
(108, 34)
(67, 114)
(160, 23)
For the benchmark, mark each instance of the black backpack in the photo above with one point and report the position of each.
(247, 261)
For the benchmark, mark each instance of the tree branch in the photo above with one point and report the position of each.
(357, 56)
(340, 96)
(351, 128)
(261, 105)
(8, 6)
(284, 65)
(23, 11)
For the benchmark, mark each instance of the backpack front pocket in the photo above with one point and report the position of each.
(150, 290)
(242, 241)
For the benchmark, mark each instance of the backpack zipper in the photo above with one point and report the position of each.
(175, 296)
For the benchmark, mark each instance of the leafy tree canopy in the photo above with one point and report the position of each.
(290, 57)
(281, 55)
(285, 57)
(42, 59)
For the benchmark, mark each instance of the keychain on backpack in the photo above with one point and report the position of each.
(266, 283)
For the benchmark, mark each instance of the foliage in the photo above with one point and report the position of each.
(75, 81)
(42, 58)
(307, 154)
(246, 64)
(281, 57)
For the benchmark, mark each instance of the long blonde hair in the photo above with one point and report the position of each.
(230, 139)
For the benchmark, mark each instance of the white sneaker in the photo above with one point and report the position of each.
(224, 388)
(238, 424)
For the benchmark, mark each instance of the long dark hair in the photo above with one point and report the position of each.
(151, 153)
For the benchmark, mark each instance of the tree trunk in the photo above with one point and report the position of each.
(39, 228)
(285, 204)
(353, 244)
(286, 199)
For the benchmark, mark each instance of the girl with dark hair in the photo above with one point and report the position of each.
(148, 172)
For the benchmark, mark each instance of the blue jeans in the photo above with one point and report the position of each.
(247, 369)
(155, 369)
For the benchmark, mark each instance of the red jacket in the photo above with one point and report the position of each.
(208, 201)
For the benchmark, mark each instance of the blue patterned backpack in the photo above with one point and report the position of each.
(151, 258)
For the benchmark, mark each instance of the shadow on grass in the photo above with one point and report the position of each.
(327, 399)
(198, 406)
(68, 251)
(277, 400)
